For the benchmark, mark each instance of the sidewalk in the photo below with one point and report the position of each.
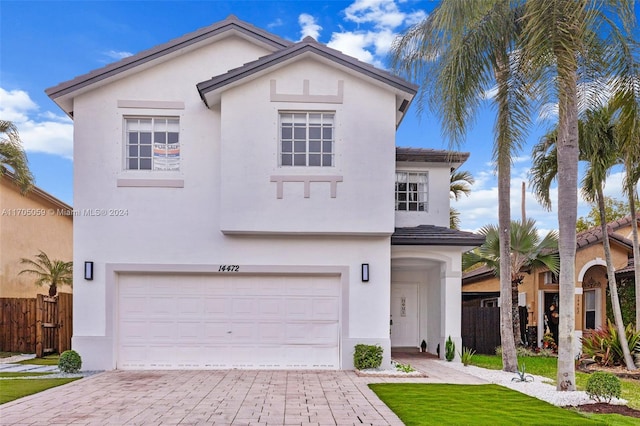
(7, 365)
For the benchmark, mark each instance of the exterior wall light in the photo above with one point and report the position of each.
(88, 271)
(365, 272)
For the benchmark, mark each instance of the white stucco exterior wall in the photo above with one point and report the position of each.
(223, 185)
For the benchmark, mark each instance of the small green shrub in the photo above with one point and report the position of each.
(70, 362)
(466, 355)
(405, 368)
(603, 386)
(449, 349)
(367, 356)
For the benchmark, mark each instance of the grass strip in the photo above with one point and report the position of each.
(23, 374)
(425, 403)
(13, 389)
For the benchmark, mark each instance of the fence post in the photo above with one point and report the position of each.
(39, 320)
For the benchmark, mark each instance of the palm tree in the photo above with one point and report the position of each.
(559, 38)
(461, 51)
(599, 147)
(460, 184)
(527, 252)
(49, 272)
(626, 101)
(12, 156)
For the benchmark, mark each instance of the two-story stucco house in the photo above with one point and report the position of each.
(246, 216)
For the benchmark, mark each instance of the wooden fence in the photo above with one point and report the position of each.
(481, 328)
(41, 325)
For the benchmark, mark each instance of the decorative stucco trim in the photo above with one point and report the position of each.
(594, 262)
(306, 96)
(306, 179)
(150, 183)
(150, 104)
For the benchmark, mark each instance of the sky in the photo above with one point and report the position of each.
(43, 43)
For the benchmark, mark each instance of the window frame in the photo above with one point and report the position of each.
(170, 148)
(588, 310)
(409, 193)
(293, 151)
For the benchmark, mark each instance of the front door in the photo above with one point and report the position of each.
(404, 315)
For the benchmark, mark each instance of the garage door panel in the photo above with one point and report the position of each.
(200, 321)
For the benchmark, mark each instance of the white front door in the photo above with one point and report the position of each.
(404, 315)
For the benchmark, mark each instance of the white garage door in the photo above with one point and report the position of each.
(222, 321)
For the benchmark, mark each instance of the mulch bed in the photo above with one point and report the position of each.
(604, 408)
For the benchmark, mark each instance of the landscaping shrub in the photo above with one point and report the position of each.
(449, 349)
(70, 362)
(603, 346)
(466, 355)
(603, 386)
(367, 356)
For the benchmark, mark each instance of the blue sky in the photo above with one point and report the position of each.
(45, 43)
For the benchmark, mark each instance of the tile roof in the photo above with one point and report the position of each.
(110, 70)
(308, 44)
(434, 236)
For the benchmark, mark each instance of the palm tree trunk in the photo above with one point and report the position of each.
(636, 251)
(503, 150)
(613, 285)
(567, 146)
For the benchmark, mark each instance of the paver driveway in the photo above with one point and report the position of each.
(228, 397)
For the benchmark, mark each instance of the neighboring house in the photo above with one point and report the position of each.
(250, 220)
(30, 223)
(539, 289)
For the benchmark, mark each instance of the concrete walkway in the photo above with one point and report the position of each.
(226, 397)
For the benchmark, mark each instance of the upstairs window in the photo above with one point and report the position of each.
(412, 192)
(307, 139)
(152, 143)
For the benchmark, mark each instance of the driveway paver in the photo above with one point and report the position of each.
(225, 397)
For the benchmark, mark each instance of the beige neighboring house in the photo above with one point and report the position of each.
(540, 290)
(29, 223)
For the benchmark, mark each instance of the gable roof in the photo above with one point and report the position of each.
(210, 90)
(229, 25)
(431, 235)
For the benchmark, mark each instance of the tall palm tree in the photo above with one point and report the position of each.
(12, 156)
(599, 148)
(626, 101)
(459, 52)
(459, 184)
(559, 38)
(527, 252)
(49, 272)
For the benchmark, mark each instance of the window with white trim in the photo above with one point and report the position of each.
(307, 139)
(152, 143)
(412, 191)
(590, 309)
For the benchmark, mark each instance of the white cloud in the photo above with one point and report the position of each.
(381, 13)
(276, 23)
(309, 27)
(15, 105)
(378, 23)
(117, 55)
(40, 132)
(354, 44)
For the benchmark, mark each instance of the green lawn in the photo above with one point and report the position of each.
(4, 354)
(12, 375)
(547, 367)
(47, 360)
(14, 389)
(422, 404)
